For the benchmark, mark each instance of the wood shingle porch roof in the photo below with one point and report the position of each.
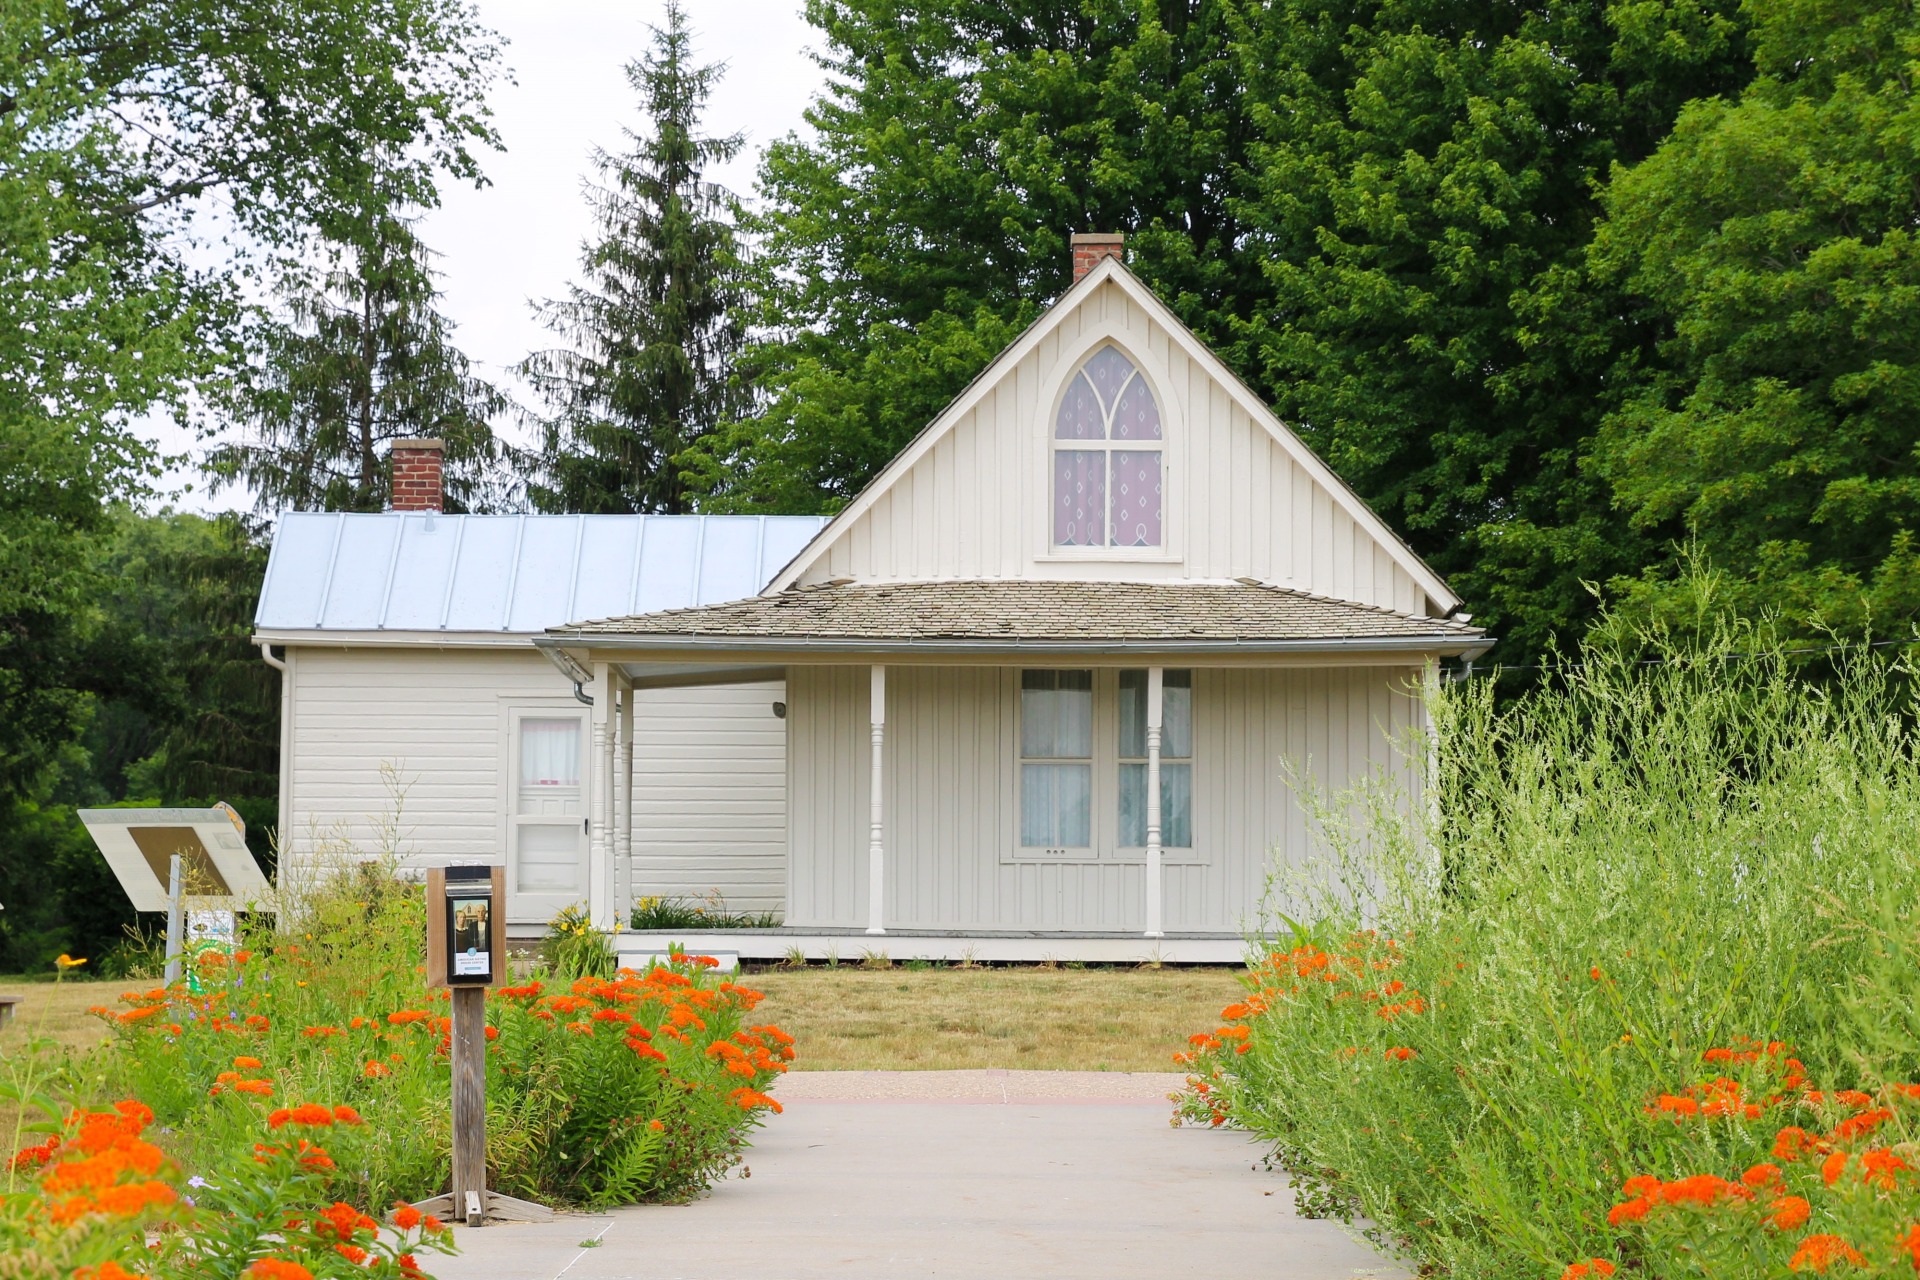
(1030, 612)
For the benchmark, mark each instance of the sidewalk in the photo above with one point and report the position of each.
(999, 1175)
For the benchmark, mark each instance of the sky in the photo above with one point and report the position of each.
(518, 239)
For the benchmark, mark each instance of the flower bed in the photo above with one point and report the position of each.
(1548, 1035)
(599, 1091)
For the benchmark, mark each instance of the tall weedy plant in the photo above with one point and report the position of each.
(1562, 969)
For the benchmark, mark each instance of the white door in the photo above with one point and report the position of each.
(546, 818)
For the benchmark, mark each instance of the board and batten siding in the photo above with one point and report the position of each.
(709, 767)
(952, 802)
(1237, 505)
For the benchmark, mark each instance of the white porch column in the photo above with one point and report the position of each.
(623, 909)
(876, 839)
(600, 809)
(1155, 686)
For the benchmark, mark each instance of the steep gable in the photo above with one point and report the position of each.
(1243, 497)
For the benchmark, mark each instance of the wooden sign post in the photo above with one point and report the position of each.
(466, 954)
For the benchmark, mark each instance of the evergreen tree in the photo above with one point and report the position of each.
(357, 361)
(651, 333)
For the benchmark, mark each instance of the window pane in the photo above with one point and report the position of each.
(1133, 806)
(1133, 714)
(1108, 370)
(1176, 714)
(1056, 805)
(1176, 806)
(1137, 417)
(1056, 714)
(550, 752)
(1080, 496)
(1136, 498)
(1080, 416)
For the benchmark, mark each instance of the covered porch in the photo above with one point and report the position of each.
(1016, 770)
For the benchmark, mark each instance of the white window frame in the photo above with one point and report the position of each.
(1104, 822)
(1172, 438)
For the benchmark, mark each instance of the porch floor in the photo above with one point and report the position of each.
(983, 946)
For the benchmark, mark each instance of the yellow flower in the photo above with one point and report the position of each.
(68, 962)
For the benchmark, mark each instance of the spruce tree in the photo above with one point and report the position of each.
(357, 360)
(650, 332)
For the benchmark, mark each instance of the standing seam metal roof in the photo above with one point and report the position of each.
(425, 571)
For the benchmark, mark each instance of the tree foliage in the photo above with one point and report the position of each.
(957, 146)
(353, 362)
(1772, 238)
(652, 331)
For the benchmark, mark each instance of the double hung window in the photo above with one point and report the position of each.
(547, 847)
(1107, 479)
(1083, 763)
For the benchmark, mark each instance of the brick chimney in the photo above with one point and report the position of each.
(416, 475)
(1090, 247)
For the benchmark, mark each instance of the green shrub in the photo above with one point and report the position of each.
(1565, 973)
(709, 912)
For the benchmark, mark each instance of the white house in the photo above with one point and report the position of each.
(1039, 681)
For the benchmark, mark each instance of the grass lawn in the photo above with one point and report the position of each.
(852, 1019)
(59, 1011)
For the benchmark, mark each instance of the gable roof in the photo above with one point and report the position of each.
(336, 573)
(1112, 270)
(1026, 614)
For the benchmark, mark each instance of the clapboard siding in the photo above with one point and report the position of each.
(1237, 504)
(709, 765)
(952, 804)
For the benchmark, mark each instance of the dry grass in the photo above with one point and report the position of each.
(58, 1011)
(856, 1019)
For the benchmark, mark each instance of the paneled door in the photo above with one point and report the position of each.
(546, 816)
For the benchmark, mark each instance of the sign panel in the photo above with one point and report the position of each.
(139, 845)
(466, 926)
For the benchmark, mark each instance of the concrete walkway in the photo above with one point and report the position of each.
(1000, 1175)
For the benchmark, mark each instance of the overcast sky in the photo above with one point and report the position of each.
(519, 238)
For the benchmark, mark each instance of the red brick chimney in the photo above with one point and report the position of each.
(1090, 247)
(416, 475)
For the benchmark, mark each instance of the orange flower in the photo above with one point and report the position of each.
(1793, 1142)
(1761, 1175)
(347, 1115)
(1910, 1244)
(1817, 1253)
(405, 1216)
(374, 1069)
(351, 1252)
(1879, 1166)
(1789, 1213)
(1591, 1267)
(108, 1270)
(278, 1269)
(1832, 1167)
(432, 1225)
(405, 1016)
(1596, 975)
(244, 1063)
(1864, 1123)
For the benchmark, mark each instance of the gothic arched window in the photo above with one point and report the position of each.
(1106, 457)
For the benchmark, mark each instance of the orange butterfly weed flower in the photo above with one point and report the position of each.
(1591, 1267)
(1879, 1165)
(278, 1269)
(1864, 1123)
(1817, 1253)
(244, 1063)
(1788, 1213)
(1793, 1142)
(376, 1069)
(1761, 1175)
(1832, 1167)
(405, 1216)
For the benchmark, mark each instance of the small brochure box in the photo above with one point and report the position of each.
(466, 926)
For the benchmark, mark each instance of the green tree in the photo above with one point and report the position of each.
(1771, 239)
(354, 362)
(1423, 195)
(925, 221)
(652, 331)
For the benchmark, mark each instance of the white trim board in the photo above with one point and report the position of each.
(951, 948)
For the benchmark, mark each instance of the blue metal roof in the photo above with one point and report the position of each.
(420, 571)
